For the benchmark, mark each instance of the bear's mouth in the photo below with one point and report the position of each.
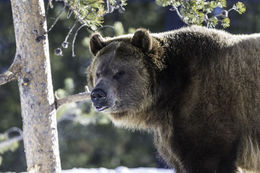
(101, 108)
(108, 108)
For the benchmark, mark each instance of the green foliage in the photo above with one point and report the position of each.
(92, 12)
(163, 3)
(225, 22)
(89, 12)
(116, 2)
(201, 12)
(239, 7)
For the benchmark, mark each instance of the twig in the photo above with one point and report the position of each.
(73, 98)
(10, 140)
(70, 31)
(179, 14)
(57, 18)
(12, 130)
(69, 13)
(12, 72)
(74, 39)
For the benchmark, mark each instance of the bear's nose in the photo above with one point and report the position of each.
(98, 95)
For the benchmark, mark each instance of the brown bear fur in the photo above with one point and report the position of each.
(196, 89)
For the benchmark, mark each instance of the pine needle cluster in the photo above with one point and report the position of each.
(203, 12)
(92, 12)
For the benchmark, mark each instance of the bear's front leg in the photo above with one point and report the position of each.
(211, 165)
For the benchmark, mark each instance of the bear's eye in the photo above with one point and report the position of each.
(118, 75)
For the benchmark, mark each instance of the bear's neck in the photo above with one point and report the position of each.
(183, 61)
(167, 84)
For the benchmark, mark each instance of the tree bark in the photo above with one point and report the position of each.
(35, 86)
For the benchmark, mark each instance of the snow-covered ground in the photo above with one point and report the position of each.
(118, 170)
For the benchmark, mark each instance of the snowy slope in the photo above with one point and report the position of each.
(118, 170)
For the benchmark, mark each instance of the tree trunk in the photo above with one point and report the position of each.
(35, 86)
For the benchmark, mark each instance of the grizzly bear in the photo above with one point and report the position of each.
(196, 89)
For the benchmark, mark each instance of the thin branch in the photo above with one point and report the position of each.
(11, 73)
(74, 39)
(69, 33)
(179, 14)
(73, 98)
(14, 130)
(57, 18)
(70, 12)
(10, 140)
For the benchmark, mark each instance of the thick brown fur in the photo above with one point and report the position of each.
(196, 89)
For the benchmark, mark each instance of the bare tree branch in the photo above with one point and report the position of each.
(73, 98)
(10, 140)
(12, 72)
(179, 14)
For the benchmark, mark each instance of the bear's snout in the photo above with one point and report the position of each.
(99, 99)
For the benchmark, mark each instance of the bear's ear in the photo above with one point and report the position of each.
(96, 43)
(142, 40)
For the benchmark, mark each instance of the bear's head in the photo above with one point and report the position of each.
(120, 75)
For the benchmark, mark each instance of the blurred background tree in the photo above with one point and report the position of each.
(87, 138)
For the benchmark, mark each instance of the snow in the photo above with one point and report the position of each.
(118, 170)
